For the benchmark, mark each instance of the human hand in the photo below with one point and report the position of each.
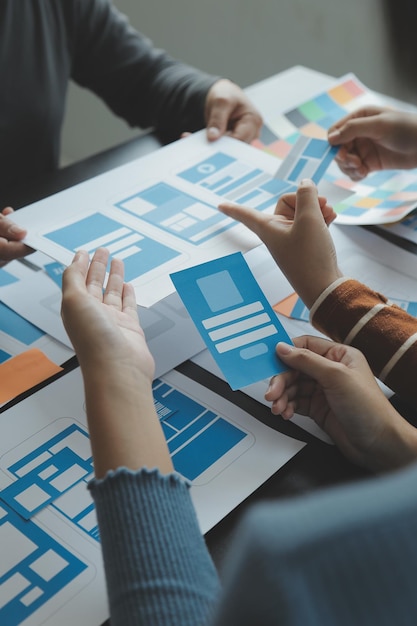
(11, 235)
(333, 384)
(229, 111)
(297, 238)
(103, 327)
(375, 138)
(116, 364)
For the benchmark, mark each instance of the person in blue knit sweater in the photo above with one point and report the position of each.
(345, 556)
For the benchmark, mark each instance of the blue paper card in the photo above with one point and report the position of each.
(234, 318)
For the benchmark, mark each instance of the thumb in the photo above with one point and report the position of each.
(307, 203)
(306, 361)
(218, 118)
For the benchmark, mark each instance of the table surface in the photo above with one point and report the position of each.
(318, 464)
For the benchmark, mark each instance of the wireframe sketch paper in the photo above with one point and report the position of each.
(159, 213)
(234, 318)
(51, 567)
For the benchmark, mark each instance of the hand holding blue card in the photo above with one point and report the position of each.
(234, 318)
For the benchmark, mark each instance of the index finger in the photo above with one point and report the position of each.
(254, 220)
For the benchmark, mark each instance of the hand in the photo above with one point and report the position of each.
(297, 238)
(11, 235)
(116, 364)
(334, 385)
(375, 138)
(104, 328)
(229, 111)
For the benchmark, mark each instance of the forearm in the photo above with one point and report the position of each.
(122, 421)
(158, 569)
(139, 82)
(351, 313)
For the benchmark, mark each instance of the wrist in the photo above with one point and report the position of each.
(316, 290)
(396, 447)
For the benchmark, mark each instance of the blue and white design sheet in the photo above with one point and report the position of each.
(234, 318)
(159, 214)
(51, 569)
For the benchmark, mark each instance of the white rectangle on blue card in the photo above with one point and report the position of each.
(234, 318)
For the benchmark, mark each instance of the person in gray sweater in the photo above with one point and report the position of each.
(46, 43)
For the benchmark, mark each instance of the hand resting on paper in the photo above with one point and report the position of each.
(11, 235)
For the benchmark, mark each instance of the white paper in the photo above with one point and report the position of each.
(166, 324)
(153, 212)
(34, 430)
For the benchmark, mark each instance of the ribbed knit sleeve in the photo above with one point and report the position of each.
(158, 569)
(351, 313)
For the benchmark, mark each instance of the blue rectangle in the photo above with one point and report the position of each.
(219, 291)
(206, 168)
(326, 103)
(207, 448)
(18, 327)
(298, 168)
(183, 409)
(194, 428)
(14, 611)
(320, 171)
(6, 278)
(316, 148)
(79, 233)
(4, 356)
(240, 332)
(276, 186)
(300, 311)
(158, 194)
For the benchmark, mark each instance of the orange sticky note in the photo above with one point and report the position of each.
(286, 306)
(24, 371)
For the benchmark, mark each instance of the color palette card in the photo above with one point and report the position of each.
(309, 158)
(383, 197)
(233, 317)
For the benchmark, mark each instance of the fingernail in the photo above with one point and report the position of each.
(284, 348)
(213, 132)
(335, 134)
(306, 182)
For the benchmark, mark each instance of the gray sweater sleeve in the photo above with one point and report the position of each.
(158, 569)
(139, 82)
(343, 556)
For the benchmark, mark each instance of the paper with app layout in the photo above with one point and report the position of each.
(233, 317)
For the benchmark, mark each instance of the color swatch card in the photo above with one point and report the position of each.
(233, 317)
(309, 158)
(382, 197)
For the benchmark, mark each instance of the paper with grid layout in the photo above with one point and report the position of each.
(382, 197)
(51, 568)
